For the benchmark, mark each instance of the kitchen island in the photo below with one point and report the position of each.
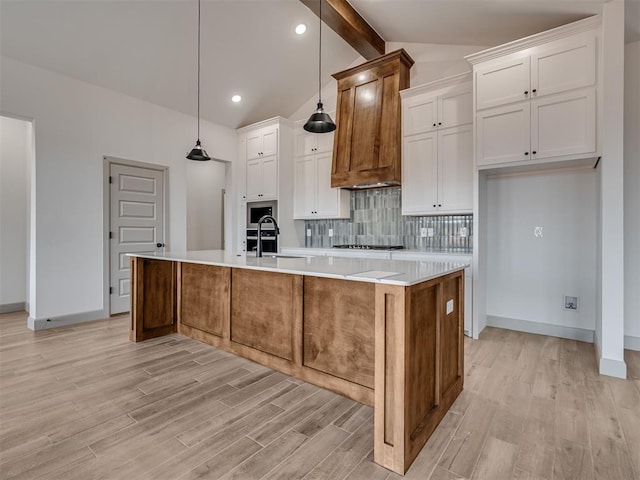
(386, 333)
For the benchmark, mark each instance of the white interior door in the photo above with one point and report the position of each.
(136, 224)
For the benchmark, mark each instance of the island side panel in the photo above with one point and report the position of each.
(204, 298)
(413, 331)
(339, 328)
(153, 298)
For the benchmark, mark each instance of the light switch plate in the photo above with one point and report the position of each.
(308, 232)
(430, 232)
(464, 232)
(331, 232)
(423, 232)
(449, 306)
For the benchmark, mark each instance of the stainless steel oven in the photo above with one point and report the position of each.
(269, 240)
(257, 210)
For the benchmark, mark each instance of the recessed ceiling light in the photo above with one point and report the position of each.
(236, 98)
(300, 29)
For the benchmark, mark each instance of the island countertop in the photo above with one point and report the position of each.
(392, 272)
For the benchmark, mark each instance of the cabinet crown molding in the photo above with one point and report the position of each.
(266, 123)
(453, 81)
(584, 25)
(401, 55)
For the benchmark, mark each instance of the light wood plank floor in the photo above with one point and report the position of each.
(84, 403)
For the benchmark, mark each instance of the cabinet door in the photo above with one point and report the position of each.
(503, 134)
(455, 108)
(254, 145)
(269, 178)
(269, 141)
(564, 65)
(419, 115)
(254, 180)
(455, 169)
(304, 195)
(324, 142)
(419, 174)
(502, 83)
(327, 198)
(305, 143)
(564, 124)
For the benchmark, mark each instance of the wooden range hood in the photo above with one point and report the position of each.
(366, 146)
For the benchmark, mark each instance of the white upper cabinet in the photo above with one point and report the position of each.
(437, 147)
(536, 98)
(559, 66)
(312, 143)
(502, 82)
(263, 159)
(262, 142)
(313, 197)
(564, 65)
(564, 124)
(503, 134)
(424, 112)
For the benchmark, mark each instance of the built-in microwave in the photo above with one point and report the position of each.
(257, 210)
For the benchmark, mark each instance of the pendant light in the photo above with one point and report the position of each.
(319, 121)
(198, 153)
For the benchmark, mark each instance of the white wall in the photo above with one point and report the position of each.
(432, 62)
(205, 181)
(76, 124)
(632, 194)
(15, 140)
(527, 276)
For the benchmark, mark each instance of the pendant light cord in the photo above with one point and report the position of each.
(198, 70)
(320, 58)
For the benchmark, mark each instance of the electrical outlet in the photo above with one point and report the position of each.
(537, 232)
(430, 232)
(571, 303)
(423, 232)
(331, 232)
(308, 232)
(464, 232)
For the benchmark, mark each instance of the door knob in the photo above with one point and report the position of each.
(159, 245)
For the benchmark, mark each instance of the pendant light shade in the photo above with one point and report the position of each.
(198, 153)
(319, 121)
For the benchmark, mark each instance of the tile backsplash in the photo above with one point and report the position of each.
(376, 218)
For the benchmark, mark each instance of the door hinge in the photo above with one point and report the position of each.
(110, 234)
(110, 179)
(110, 290)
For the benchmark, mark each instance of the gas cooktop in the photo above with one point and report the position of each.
(370, 247)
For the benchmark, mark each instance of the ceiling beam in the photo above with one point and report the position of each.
(343, 19)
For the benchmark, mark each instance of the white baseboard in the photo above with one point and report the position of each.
(538, 328)
(64, 320)
(612, 368)
(13, 307)
(632, 343)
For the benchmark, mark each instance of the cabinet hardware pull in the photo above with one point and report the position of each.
(439, 123)
(434, 124)
(534, 152)
(526, 92)
(526, 153)
(439, 205)
(534, 90)
(434, 206)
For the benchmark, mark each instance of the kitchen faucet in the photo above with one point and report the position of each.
(260, 222)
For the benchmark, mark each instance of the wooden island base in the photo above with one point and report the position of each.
(396, 348)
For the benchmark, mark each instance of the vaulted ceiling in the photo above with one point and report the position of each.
(147, 48)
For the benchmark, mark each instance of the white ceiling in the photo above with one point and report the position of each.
(147, 48)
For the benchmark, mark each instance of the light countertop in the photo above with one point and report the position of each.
(393, 272)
